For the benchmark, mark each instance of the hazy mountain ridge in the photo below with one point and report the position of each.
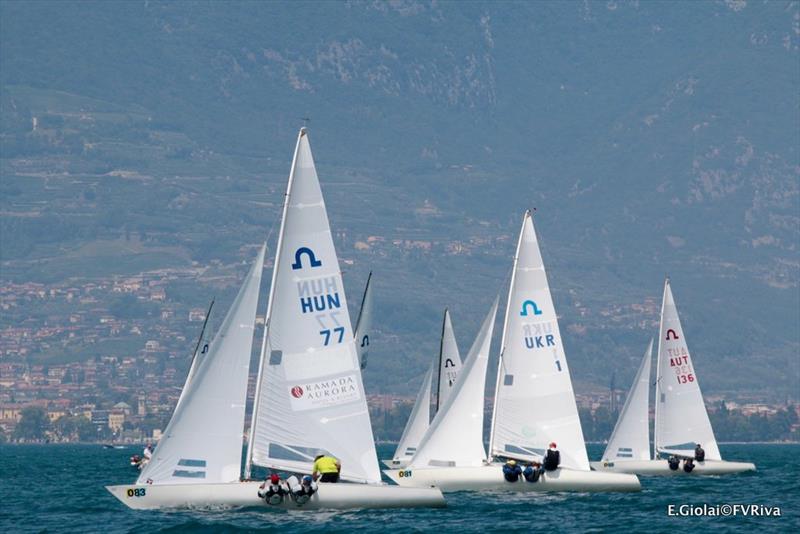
(650, 141)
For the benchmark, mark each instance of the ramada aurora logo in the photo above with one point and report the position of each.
(326, 392)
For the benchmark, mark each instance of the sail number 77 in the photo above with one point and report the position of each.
(327, 334)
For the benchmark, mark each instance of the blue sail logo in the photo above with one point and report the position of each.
(298, 258)
(530, 304)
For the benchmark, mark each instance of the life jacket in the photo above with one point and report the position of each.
(552, 459)
(274, 494)
(699, 454)
(688, 465)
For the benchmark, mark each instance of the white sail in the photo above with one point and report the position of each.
(203, 441)
(201, 350)
(449, 361)
(418, 421)
(681, 417)
(455, 437)
(310, 398)
(534, 401)
(630, 439)
(364, 324)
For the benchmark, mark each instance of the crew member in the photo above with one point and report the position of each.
(511, 471)
(326, 469)
(673, 462)
(308, 485)
(272, 490)
(301, 490)
(688, 465)
(552, 458)
(532, 472)
(699, 453)
(148, 452)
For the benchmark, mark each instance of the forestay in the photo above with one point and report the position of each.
(534, 401)
(681, 417)
(455, 437)
(449, 361)
(418, 421)
(203, 441)
(631, 437)
(310, 398)
(364, 324)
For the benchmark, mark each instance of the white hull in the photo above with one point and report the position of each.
(243, 494)
(490, 478)
(661, 468)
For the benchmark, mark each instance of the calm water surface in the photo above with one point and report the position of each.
(59, 488)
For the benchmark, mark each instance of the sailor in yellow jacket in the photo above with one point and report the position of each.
(326, 468)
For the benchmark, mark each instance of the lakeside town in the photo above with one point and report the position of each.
(105, 360)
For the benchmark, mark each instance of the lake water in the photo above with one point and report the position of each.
(59, 488)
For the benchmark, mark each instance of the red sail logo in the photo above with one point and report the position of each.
(297, 392)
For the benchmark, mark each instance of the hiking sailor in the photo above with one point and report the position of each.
(673, 462)
(272, 490)
(301, 491)
(511, 471)
(552, 458)
(688, 465)
(532, 472)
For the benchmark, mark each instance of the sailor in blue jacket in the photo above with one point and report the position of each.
(511, 471)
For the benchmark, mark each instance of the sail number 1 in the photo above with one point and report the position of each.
(136, 492)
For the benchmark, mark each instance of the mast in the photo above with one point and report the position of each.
(503, 339)
(265, 340)
(658, 372)
(439, 370)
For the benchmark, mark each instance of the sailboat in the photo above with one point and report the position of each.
(448, 367)
(681, 419)
(309, 396)
(534, 402)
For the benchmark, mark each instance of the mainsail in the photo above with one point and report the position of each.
(203, 441)
(681, 417)
(310, 398)
(631, 437)
(449, 361)
(534, 401)
(455, 437)
(364, 324)
(418, 421)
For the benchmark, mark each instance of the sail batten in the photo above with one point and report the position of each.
(630, 439)
(203, 441)
(534, 399)
(681, 417)
(311, 398)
